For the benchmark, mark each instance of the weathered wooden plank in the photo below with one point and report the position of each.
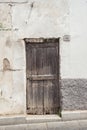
(28, 59)
(37, 97)
(29, 95)
(29, 72)
(39, 61)
(34, 69)
(41, 40)
(41, 45)
(51, 100)
(47, 100)
(36, 107)
(41, 77)
(50, 90)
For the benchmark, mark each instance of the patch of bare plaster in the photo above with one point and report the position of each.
(6, 64)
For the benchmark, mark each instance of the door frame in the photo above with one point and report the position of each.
(46, 40)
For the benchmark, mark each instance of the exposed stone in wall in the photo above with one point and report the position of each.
(74, 94)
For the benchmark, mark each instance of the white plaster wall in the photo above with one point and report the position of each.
(25, 19)
(12, 82)
(31, 19)
(41, 18)
(74, 53)
(5, 10)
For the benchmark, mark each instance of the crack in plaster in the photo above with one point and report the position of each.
(30, 11)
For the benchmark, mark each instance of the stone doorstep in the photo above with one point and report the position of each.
(29, 119)
(42, 118)
(66, 116)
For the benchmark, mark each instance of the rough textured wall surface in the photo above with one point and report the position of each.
(42, 18)
(18, 20)
(73, 59)
(74, 94)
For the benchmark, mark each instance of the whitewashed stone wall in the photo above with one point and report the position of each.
(35, 19)
(18, 20)
(12, 65)
(73, 59)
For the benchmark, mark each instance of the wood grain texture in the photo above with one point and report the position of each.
(42, 78)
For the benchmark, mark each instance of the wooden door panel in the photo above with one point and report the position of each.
(51, 62)
(39, 61)
(29, 95)
(35, 99)
(34, 69)
(51, 103)
(28, 59)
(42, 78)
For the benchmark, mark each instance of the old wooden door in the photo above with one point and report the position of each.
(42, 78)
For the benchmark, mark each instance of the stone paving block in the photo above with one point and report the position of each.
(2, 127)
(63, 126)
(16, 127)
(38, 126)
(12, 120)
(83, 125)
(74, 115)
